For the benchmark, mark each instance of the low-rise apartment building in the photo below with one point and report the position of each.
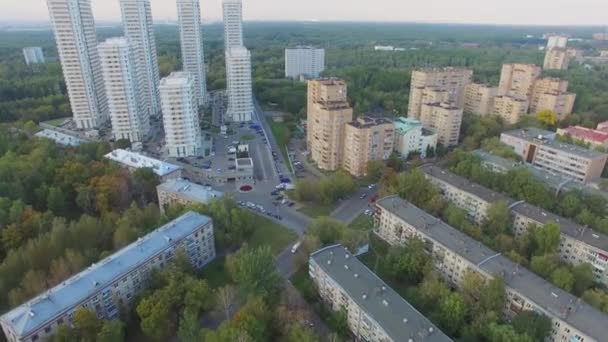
(510, 108)
(411, 137)
(181, 191)
(539, 148)
(366, 139)
(594, 137)
(113, 281)
(455, 254)
(578, 244)
(375, 312)
(444, 119)
(479, 99)
(133, 161)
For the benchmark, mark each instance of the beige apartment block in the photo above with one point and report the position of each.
(328, 112)
(452, 80)
(509, 108)
(422, 95)
(367, 139)
(479, 98)
(557, 59)
(455, 255)
(546, 85)
(561, 104)
(444, 119)
(601, 36)
(538, 147)
(518, 79)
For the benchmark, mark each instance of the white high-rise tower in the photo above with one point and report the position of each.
(180, 115)
(238, 76)
(74, 28)
(139, 30)
(193, 58)
(233, 23)
(130, 119)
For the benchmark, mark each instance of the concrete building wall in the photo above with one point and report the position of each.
(411, 137)
(33, 55)
(479, 99)
(233, 23)
(518, 80)
(510, 108)
(366, 140)
(191, 41)
(452, 80)
(556, 59)
(139, 30)
(239, 85)
(74, 28)
(561, 104)
(443, 119)
(128, 112)
(543, 86)
(423, 95)
(304, 61)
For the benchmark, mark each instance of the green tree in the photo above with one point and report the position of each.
(299, 333)
(452, 313)
(87, 324)
(505, 333)
(112, 331)
(254, 272)
(547, 238)
(562, 277)
(189, 329)
(533, 324)
(407, 263)
(499, 219)
(583, 278)
(327, 230)
(544, 265)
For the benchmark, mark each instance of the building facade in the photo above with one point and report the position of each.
(367, 139)
(191, 40)
(133, 161)
(184, 192)
(328, 111)
(594, 137)
(511, 109)
(306, 61)
(444, 119)
(178, 94)
(545, 88)
(74, 28)
(114, 281)
(451, 80)
(561, 104)
(33, 55)
(518, 80)
(424, 95)
(479, 99)
(128, 113)
(375, 312)
(238, 78)
(539, 148)
(411, 137)
(557, 41)
(557, 59)
(455, 255)
(139, 31)
(233, 23)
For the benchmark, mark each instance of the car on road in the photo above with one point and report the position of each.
(295, 247)
(371, 186)
(363, 196)
(231, 167)
(279, 198)
(367, 212)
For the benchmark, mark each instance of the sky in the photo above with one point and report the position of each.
(516, 12)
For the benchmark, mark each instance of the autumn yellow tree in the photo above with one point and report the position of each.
(546, 117)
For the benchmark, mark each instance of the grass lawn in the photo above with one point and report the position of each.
(362, 222)
(314, 210)
(270, 233)
(282, 135)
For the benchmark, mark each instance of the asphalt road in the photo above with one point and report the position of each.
(351, 208)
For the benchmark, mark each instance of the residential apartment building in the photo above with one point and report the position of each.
(601, 36)
(423, 95)
(233, 23)
(518, 80)
(114, 281)
(139, 31)
(178, 94)
(239, 85)
(411, 137)
(367, 139)
(191, 40)
(479, 99)
(375, 312)
(444, 119)
(184, 192)
(594, 137)
(449, 79)
(305, 61)
(455, 254)
(550, 93)
(74, 28)
(134, 161)
(328, 112)
(33, 55)
(557, 41)
(128, 113)
(511, 109)
(557, 59)
(539, 148)
(578, 244)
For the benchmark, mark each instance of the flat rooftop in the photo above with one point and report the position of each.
(176, 78)
(191, 191)
(37, 312)
(399, 319)
(550, 298)
(244, 162)
(598, 136)
(368, 121)
(60, 138)
(137, 161)
(546, 138)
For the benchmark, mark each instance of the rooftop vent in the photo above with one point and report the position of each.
(345, 267)
(385, 302)
(431, 330)
(347, 256)
(364, 296)
(405, 320)
(31, 313)
(356, 275)
(329, 262)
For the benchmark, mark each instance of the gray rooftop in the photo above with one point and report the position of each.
(40, 310)
(191, 191)
(547, 138)
(465, 184)
(567, 226)
(399, 319)
(552, 299)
